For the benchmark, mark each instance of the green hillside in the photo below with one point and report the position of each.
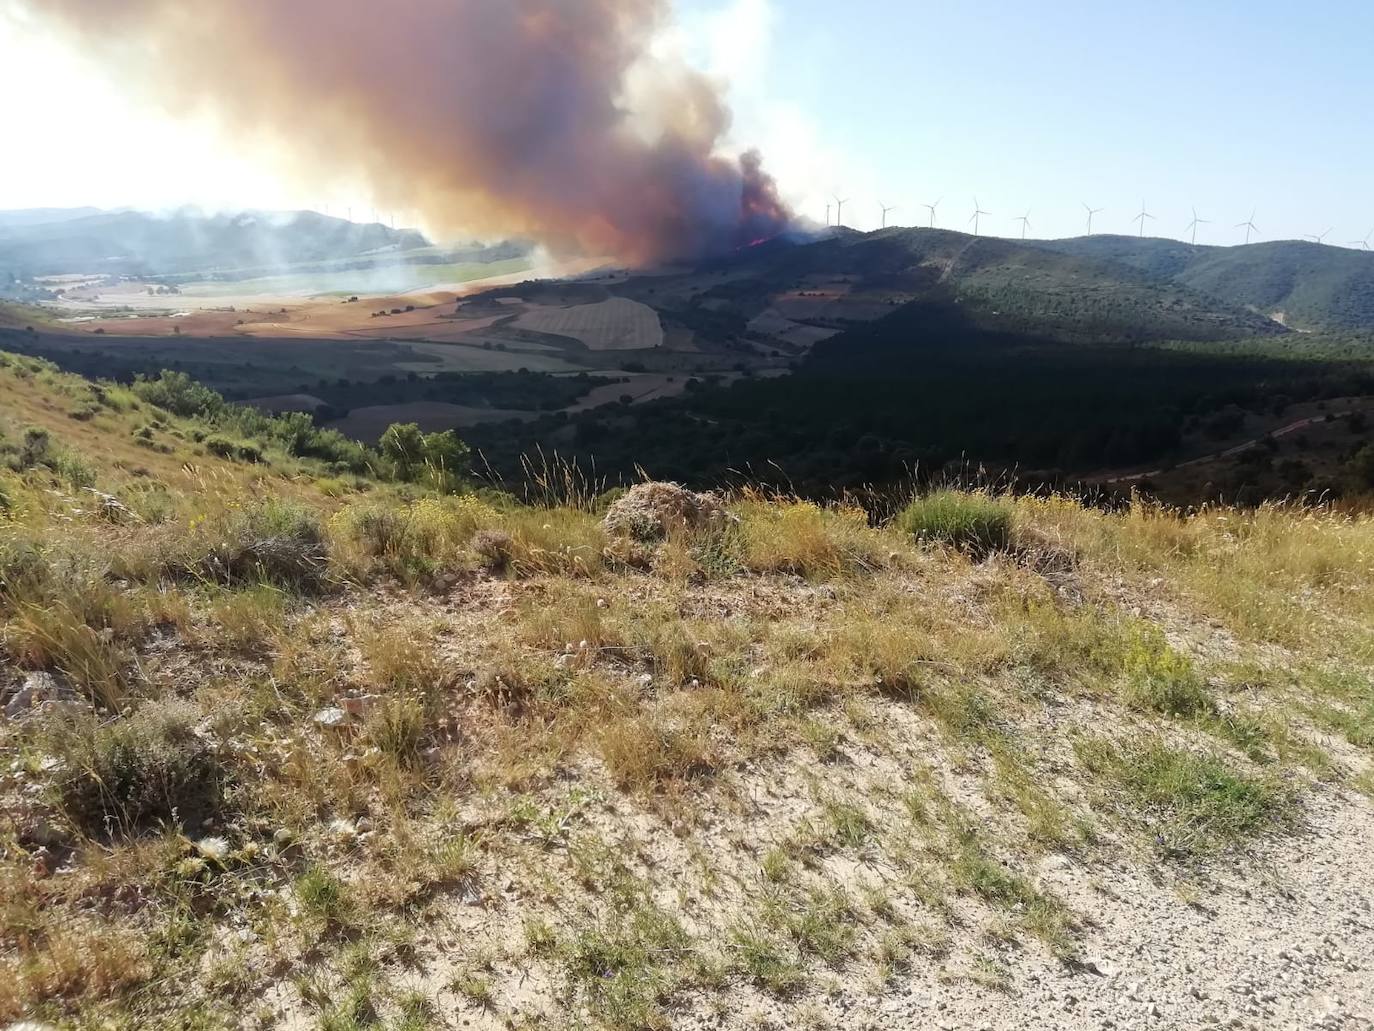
(1011, 286)
(1308, 286)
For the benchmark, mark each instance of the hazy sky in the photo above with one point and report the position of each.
(1222, 104)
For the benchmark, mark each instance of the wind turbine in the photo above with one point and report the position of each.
(978, 212)
(1317, 239)
(1141, 219)
(1091, 212)
(839, 211)
(931, 208)
(1195, 223)
(886, 208)
(1362, 244)
(1025, 222)
(1249, 225)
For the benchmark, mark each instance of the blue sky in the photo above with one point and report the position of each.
(1225, 105)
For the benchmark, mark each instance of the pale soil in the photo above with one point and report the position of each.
(261, 314)
(643, 387)
(1281, 939)
(1281, 936)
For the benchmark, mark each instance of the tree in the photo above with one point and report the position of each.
(441, 458)
(403, 444)
(1362, 466)
(446, 459)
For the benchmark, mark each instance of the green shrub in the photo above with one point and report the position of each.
(220, 447)
(1160, 679)
(178, 393)
(250, 453)
(324, 897)
(977, 524)
(36, 448)
(135, 774)
(1194, 804)
(24, 571)
(77, 473)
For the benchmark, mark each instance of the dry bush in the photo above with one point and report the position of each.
(493, 548)
(777, 536)
(269, 542)
(54, 637)
(647, 753)
(80, 962)
(409, 540)
(651, 511)
(519, 685)
(555, 541)
(147, 770)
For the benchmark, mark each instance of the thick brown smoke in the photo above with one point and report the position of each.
(501, 117)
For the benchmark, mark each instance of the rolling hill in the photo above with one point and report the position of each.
(1007, 285)
(1305, 285)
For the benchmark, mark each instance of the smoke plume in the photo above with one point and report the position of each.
(542, 118)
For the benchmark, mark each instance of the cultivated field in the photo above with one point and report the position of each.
(617, 324)
(368, 424)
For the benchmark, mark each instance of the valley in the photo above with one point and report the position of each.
(833, 362)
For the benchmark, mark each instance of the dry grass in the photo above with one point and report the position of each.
(683, 760)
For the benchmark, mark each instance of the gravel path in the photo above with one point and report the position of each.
(1287, 943)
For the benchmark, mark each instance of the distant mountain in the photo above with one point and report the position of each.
(38, 216)
(1305, 285)
(135, 243)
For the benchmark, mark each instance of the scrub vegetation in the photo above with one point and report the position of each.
(299, 731)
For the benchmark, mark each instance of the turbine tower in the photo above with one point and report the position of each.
(978, 213)
(1141, 219)
(1249, 226)
(1317, 238)
(1195, 223)
(827, 214)
(839, 211)
(886, 208)
(1091, 212)
(1025, 222)
(931, 208)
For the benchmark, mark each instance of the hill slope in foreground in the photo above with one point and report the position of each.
(290, 749)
